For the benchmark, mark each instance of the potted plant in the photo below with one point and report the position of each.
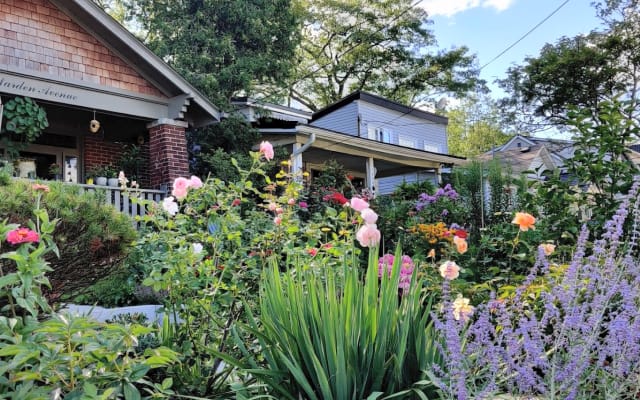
(55, 171)
(25, 121)
(112, 177)
(101, 173)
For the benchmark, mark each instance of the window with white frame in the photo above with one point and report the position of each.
(384, 135)
(406, 142)
(434, 148)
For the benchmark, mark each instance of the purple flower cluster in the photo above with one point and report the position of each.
(446, 192)
(579, 339)
(385, 263)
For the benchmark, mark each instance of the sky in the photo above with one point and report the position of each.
(487, 27)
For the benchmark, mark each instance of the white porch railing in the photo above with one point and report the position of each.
(122, 200)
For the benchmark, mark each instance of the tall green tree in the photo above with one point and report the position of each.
(223, 47)
(475, 127)
(379, 46)
(582, 71)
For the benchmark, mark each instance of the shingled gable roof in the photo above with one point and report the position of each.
(382, 102)
(114, 36)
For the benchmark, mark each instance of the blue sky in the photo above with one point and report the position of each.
(487, 27)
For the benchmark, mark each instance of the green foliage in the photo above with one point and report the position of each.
(474, 127)
(50, 355)
(382, 47)
(130, 162)
(25, 120)
(327, 335)
(221, 47)
(92, 237)
(469, 182)
(6, 172)
(599, 160)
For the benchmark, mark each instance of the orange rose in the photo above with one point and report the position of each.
(525, 221)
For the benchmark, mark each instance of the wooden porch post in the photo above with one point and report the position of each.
(371, 175)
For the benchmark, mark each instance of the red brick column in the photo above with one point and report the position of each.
(168, 157)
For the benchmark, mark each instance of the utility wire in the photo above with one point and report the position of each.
(526, 34)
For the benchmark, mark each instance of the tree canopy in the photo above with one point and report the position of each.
(474, 127)
(581, 71)
(222, 47)
(379, 46)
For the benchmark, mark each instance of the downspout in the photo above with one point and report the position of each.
(305, 146)
(296, 154)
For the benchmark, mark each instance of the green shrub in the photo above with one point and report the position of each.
(56, 355)
(92, 237)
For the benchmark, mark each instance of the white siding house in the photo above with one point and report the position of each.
(376, 118)
(380, 142)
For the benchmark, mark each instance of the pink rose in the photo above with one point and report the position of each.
(369, 216)
(272, 206)
(277, 220)
(368, 235)
(195, 182)
(180, 188)
(449, 270)
(358, 204)
(267, 150)
(291, 201)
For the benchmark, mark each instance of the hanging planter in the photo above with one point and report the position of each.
(25, 122)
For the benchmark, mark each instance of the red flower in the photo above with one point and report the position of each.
(22, 235)
(461, 233)
(312, 251)
(338, 198)
(235, 202)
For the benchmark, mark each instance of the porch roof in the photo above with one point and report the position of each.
(351, 151)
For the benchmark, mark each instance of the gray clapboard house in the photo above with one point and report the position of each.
(380, 142)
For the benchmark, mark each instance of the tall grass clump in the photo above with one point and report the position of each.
(329, 335)
(578, 339)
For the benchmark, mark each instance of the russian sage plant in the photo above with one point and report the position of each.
(579, 339)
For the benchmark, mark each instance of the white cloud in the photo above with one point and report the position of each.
(449, 8)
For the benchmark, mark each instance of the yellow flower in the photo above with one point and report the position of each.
(462, 309)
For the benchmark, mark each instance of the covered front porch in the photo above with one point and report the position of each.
(374, 165)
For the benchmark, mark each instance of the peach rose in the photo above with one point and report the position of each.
(461, 244)
(524, 220)
(449, 270)
(548, 248)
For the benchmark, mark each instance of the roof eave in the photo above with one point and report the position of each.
(123, 43)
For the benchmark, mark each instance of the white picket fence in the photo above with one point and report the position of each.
(123, 201)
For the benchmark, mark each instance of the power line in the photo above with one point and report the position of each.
(526, 34)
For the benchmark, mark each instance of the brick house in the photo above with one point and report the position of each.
(79, 64)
